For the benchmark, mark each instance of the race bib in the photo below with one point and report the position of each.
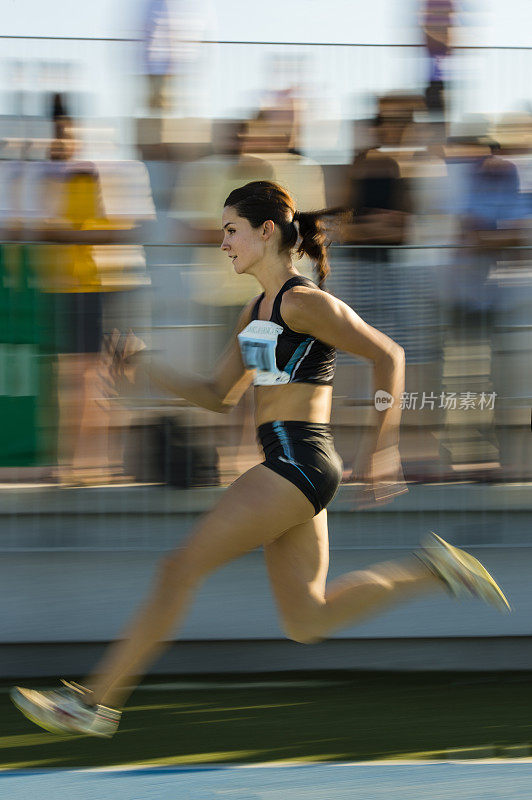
(257, 345)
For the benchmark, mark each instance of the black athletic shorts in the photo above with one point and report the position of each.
(303, 452)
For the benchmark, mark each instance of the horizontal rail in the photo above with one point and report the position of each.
(333, 246)
(400, 45)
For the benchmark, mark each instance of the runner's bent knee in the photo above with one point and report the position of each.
(303, 633)
(306, 624)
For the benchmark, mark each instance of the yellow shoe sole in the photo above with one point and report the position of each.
(476, 577)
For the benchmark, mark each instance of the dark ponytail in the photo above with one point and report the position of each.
(262, 200)
(313, 241)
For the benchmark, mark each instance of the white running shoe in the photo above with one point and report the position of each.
(461, 573)
(63, 711)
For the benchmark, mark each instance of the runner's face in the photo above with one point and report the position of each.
(243, 244)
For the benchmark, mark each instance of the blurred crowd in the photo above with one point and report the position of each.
(434, 250)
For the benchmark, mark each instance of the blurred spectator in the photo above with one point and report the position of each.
(77, 270)
(436, 23)
(218, 294)
(490, 221)
(282, 106)
(377, 192)
(491, 204)
(381, 200)
(372, 276)
(171, 51)
(200, 194)
(281, 113)
(128, 209)
(270, 137)
(158, 42)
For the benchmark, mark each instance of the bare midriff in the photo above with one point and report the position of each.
(306, 402)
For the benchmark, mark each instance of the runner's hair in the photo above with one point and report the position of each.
(301, 231)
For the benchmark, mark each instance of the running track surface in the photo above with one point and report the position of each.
(421, 781)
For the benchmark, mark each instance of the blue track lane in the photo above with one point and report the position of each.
(422, 781)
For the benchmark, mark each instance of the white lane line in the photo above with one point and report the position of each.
(215, 766)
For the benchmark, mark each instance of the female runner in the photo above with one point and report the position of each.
(285, 342)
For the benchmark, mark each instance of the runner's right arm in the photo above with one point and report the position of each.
(222, 391)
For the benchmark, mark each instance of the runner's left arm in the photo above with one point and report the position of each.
(332, 321)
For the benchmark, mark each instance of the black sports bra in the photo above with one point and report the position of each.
(280, 355)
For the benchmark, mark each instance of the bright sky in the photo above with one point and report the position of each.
(503, 23)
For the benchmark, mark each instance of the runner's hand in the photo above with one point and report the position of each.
(383, 478)
(117, 354)
(132, 347)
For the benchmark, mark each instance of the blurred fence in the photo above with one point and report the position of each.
(464, 380)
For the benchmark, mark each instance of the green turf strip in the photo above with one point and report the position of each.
(364, 716)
